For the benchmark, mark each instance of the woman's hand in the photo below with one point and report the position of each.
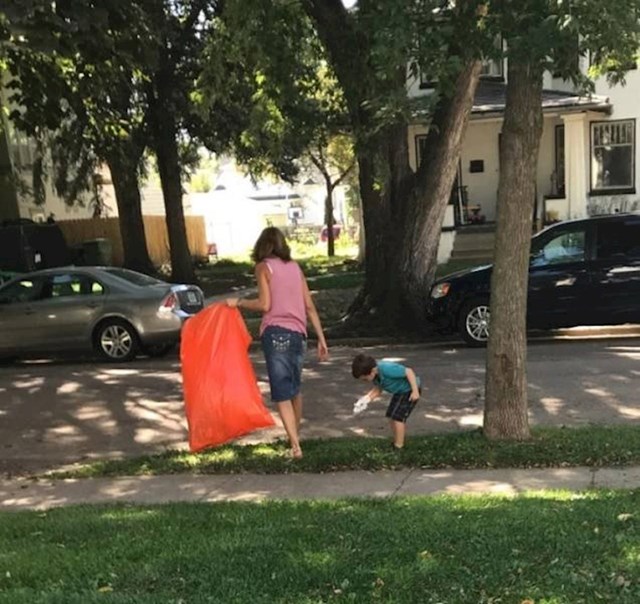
(323, 351)
(233, 302)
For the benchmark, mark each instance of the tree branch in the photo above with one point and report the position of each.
(345, 173)
(347, 49)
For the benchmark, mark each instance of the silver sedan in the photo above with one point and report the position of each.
(116, 312)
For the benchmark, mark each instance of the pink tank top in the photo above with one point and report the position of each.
(288, 309)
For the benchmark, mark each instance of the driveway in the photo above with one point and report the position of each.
(54, 413)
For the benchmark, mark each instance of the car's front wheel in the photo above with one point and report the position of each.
(474, 322)
(116, 341)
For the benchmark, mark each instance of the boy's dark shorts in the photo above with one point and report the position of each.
(400, 407)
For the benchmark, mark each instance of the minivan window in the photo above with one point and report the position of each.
(566, 247)
(618, 240)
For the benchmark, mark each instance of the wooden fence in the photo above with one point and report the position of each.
(155, 228)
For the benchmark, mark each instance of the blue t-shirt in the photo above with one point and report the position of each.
(392, 378)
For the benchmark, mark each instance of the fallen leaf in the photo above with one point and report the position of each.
(105, 589)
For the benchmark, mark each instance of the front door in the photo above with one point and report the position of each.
(560, 284)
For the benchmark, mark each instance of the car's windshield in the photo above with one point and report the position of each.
(133, 277)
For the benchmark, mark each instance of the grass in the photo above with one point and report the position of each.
(594, 446)
(545, 548)
(229, 275)
(323, 273)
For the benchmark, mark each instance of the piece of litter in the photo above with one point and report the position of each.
(361, 405)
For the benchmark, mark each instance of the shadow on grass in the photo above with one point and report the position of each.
(551, 447)
(555, 548)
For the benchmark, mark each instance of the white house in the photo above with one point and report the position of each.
(238, 208)
(587, 161)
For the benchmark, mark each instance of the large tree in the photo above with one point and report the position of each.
(540, 36)
(179, 28)
(372, 52)
(74, 88)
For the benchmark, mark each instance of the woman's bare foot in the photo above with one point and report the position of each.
(296, 452)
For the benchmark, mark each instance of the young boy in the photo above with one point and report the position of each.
(399, 381)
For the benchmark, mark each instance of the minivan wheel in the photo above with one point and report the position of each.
(475, 319)
(116, 341)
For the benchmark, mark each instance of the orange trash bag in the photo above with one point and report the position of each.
(221, 395)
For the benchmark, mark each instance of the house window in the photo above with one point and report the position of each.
(493, 68)
(23, 149)
(426, 81)
(613, 156)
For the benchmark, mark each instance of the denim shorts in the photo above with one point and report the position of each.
(284, 352)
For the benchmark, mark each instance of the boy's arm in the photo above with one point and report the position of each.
(413, 382)
(374, 393)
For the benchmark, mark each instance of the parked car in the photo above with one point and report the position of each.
(582, 272)
(117, 312)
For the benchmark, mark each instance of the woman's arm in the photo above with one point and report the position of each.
(263, 302)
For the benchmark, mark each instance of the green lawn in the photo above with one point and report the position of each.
(229, 275)
(550, 447)
(339, 272)
(549, 548)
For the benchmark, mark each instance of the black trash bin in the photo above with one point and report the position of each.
(97, 252)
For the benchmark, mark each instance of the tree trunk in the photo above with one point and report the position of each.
(329, 220)
(124, 175)
(434, 182)
(165, 134)
(361, 233)
(169, 168)
(505, 414)
(398, 268)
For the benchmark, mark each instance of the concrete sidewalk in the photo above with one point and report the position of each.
(28, 494)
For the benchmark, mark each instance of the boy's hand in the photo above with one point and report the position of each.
(414, 396)
(361, 404)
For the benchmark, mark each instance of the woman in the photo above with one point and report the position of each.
(285, 303)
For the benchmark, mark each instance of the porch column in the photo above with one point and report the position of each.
(575, 164)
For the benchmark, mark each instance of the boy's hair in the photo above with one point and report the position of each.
(271, 242)
(362, 365)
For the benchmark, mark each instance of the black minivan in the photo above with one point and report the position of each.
(583, 272)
